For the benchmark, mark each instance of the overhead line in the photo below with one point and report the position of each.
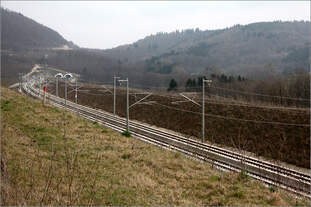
(258, 94)
(237, 91)
(232, 104)
(237, 119)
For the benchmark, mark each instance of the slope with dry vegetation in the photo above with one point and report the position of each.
(52, 157)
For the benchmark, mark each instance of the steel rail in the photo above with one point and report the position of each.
(216, 155)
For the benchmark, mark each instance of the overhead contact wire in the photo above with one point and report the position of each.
(232, 118)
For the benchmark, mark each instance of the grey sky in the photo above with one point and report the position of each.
(105, 24)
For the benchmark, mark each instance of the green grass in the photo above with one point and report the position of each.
(80, 162)
(243, 176)
(272, 189)
(126, 133)
(126, 156)
(5, 105)
(238, 194)
(214, 178)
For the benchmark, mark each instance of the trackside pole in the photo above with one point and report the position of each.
(203, 111)
(65, 92)
(76, 95)
(114, 94)
(56, 86)
(203, 108)
(44, 95)
(40, 86)
(127, 103)
(20, 81)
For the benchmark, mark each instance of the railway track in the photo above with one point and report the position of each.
(272, 174)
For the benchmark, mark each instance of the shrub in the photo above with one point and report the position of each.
(126, 133)
(243, 176)
(272, 189)
(126, 156)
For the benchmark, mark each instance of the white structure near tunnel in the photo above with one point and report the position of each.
(59, 75)
(68, 76)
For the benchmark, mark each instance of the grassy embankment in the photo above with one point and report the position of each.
(54, 157)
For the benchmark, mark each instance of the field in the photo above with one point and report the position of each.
(52, 157)
(268, 132)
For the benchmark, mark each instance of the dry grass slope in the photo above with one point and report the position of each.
(54, 157)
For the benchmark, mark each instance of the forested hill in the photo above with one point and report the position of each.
(255, 51)
(242, 49)
(19, 32)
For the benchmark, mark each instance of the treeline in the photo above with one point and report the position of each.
(227, 79)
(196, 84)
(192, 85)
(285, 90)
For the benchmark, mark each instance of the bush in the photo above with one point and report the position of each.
(243, 176)
(126, 133)
(126, 156)
(272, 189)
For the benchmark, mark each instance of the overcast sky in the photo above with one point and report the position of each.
(104, 24)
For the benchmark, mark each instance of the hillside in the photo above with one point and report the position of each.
(272, 52)
(52, 157)
(19, 33)
(237, 50)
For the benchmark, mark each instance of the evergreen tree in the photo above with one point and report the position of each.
(191, 85)
(188, 84)
(172, 85)
(231, 79)
(223, 78)
(200, 81)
